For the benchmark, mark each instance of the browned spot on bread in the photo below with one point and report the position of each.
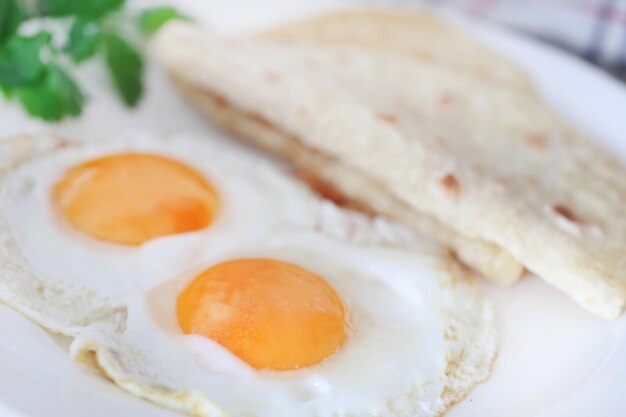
(446, 100)
(530, 180)
(537, 141)
(613, 163)
(63, 143)
(321, 186)
(566, 213)
(220, 101)
(261, 121)
(272, 77)
(330, 191)
(387, 118)
(442, 143)
(450, 185)
(479, 169)
(425, 55)
(302, 113)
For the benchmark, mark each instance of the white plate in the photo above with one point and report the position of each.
(555, 359)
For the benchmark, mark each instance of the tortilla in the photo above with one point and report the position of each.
(350, 188)
(423, 36)
(495, 165)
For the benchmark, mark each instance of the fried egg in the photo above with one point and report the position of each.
(83, 224)
(195, 274)
(302, 324)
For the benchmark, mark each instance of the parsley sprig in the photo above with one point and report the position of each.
(37, 71)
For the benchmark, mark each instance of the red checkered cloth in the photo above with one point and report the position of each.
(593, 29)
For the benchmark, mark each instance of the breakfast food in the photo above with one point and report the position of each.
(433, 43)
(352, 189)
(164, 198)
(275, 302)
(21, 287)
(427, 138)
(417, 37)
(424, 36)
(307, 325)
(93, 214)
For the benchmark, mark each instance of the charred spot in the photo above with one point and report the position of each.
(329, 191)
(425, 55)
(387, 118)
(221, 102)
(442, 143)
(261, 121)
(537, 141)
(566, 213)
(530, 180)
(451, 186)
(302, 113)
(320, 186)
(446, 100)
(63, 143)
(272, 77)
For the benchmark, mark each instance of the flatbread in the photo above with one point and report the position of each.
(440, 142)
(423, 36)
(412, 37)
(355, 189)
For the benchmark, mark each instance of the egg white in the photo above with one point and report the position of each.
(414, 321)
(421, 335)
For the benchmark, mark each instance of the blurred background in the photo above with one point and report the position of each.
(592, 29)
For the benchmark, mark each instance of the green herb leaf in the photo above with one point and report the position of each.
(83, 39)
(11, 15)
(6, 91)
(54, 97)
(29, 65)
(21, 59)
(93, 8)
(126, 67)
(152, 19)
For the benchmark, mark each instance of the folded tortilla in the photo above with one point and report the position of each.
(423, 36)
(475, 161)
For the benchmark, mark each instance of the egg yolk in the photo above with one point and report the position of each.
(271, 314)
(131, 198)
